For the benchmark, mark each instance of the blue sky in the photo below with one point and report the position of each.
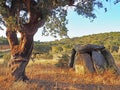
(80, 26)
(105, 22)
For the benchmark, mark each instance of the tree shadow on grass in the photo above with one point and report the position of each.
(39, 84)
(48, 85)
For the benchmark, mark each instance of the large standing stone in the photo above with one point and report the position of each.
(71, 62)
(99, 61)
(83, 64)
(110, 60)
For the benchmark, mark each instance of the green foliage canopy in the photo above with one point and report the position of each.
(14, 14)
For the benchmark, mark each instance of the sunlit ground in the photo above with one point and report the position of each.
(44, 75)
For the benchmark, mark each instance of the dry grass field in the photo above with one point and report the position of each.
(44, 75)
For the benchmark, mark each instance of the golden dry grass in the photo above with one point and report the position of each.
(44, 75)
(1, 60)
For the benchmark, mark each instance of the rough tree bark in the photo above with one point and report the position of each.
(20, 51)
(20, 54)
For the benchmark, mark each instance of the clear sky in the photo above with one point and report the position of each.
(105, 22)
(80, 26)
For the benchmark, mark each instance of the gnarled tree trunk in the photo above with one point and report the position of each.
(20, 52)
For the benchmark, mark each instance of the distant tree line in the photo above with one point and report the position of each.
(47, 49)
(110, 40)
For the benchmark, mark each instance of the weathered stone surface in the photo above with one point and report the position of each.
(71, 62)
(87, 48)
(92, 58)
(99, 61)
(79, 64)
(110, 60)
(83, 64)
(88, 63)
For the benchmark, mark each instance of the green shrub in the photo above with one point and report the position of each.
(63, 61)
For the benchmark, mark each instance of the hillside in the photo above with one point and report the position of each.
(106, 39)
(110, 40)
